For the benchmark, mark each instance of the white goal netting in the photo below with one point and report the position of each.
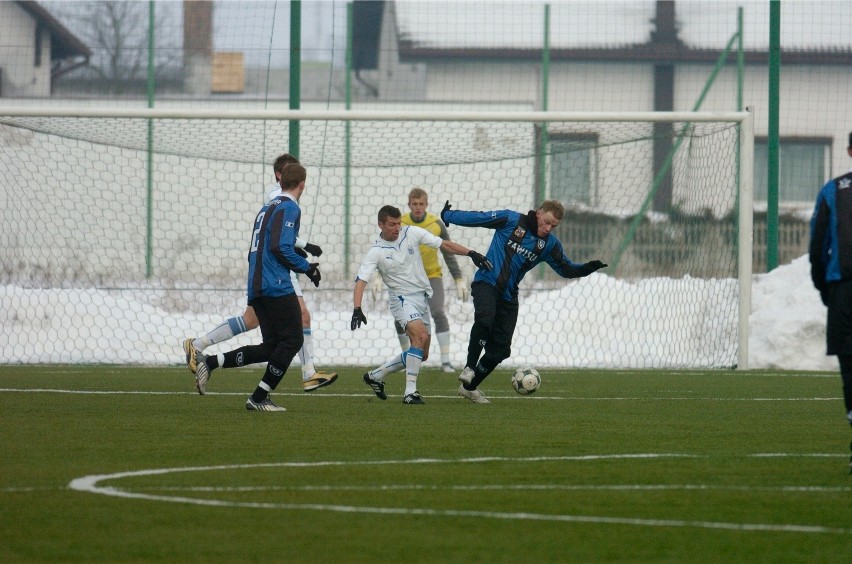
(121, 236)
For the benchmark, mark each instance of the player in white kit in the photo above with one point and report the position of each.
(396, 257)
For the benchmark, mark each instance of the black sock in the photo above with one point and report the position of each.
(259, 395)
(480, 373)
(212, 362)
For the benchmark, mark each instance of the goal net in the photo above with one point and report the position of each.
(124, 232)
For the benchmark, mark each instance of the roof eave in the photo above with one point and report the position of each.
(677, 53)
(65, 44)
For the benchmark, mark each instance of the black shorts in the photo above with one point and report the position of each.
(280, 318)
(838, 334)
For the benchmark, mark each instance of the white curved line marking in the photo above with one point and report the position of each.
(90, 484)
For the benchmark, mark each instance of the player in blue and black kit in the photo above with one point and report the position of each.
(520, 242)
(830, 254)
(272, 256)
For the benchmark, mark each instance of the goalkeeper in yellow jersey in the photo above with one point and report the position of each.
(418, 200)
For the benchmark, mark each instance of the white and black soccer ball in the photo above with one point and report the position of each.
(526, 380)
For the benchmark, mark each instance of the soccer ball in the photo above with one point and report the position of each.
(526, 380)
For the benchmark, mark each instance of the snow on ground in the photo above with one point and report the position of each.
(594, 322)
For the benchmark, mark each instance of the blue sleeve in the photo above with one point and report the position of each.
(554, 256)
(284, 230)
(820, 240)
(491, 219)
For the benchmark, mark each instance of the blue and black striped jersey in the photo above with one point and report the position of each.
(830, 248)
(272, 254)
(515, 249)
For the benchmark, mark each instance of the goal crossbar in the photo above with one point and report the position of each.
(368, 115)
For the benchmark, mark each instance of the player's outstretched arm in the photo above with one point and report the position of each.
(591, 266)
(358, 317)
(479, 260)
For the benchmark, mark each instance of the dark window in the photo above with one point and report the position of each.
(803, 166)
(38, 34)
(572, 168)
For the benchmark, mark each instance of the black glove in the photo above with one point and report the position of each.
(447, 207)
(313, 249)
(301, 252)
(314, 274)
(480, 261)
(358, 318)
(591, 266)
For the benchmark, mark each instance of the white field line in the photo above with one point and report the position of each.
(91, 484)
(504, 395)
(506, 487)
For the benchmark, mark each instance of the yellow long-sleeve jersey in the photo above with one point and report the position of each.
(433, 224)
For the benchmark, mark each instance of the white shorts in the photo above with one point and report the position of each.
(410, 307)
(294, 280)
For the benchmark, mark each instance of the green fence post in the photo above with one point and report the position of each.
(773, 147)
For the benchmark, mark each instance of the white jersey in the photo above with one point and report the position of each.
(273, 191)
(399, 262)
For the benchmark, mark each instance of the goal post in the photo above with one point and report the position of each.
(90, 265)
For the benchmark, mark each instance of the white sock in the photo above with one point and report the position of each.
(444, 345)
(228, 329)
(389, 367)
(404, 343)
(305, 355)
(413, 360)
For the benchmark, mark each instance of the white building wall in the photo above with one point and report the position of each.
(802, 88)
(588, 87)
(17, 55)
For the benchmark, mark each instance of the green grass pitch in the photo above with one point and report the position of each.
(105, 463)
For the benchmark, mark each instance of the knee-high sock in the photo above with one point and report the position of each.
(390, 366)
(478, 335)
(413, 360)
(226, 330)
(306, 355)
(481, 371)
(444, 345)
(271, 378)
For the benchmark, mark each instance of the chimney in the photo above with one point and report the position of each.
(197, 47)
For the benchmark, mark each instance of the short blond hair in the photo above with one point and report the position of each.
(553, 206)
(418, 193)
